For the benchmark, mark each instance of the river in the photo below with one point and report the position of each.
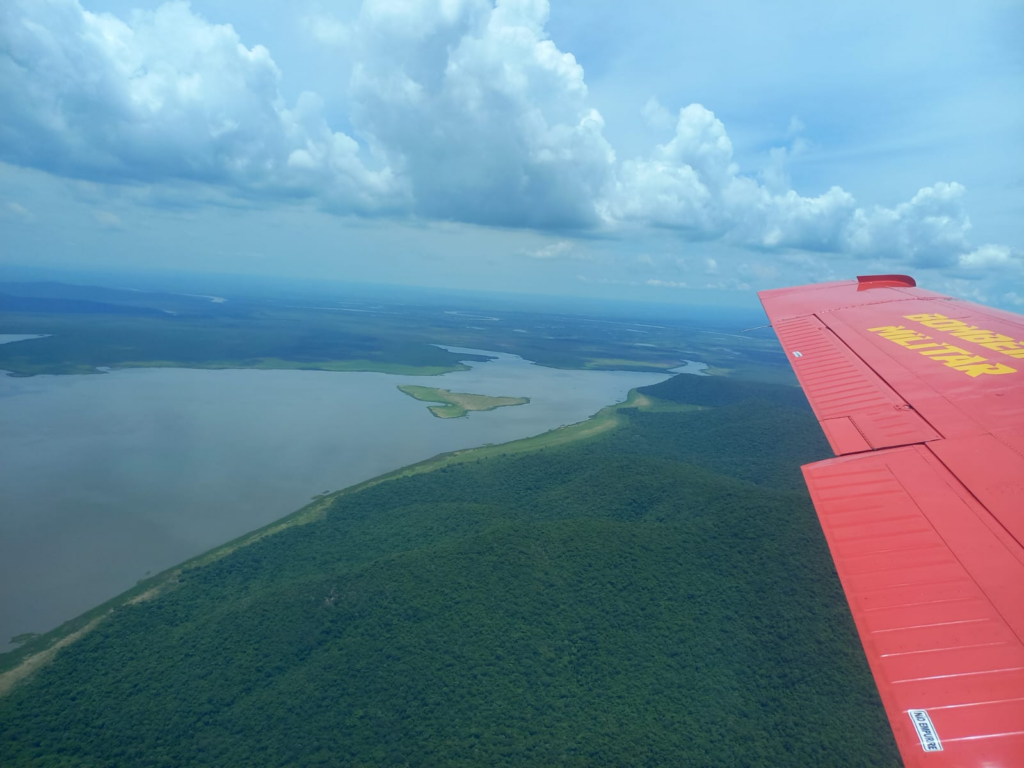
(107, 478)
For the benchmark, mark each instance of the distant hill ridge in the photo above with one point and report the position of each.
(10, 303)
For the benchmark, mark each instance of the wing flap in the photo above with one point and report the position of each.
(937, 635)
(843, 436)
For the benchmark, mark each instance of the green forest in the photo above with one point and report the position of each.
(90, 327)
(658, 595)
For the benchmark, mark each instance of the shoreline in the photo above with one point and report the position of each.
(18, 663)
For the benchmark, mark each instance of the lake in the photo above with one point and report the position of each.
(107, 478)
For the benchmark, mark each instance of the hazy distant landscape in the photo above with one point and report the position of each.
(365, 329)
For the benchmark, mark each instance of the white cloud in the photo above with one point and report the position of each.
(563, 249)
(166, 96)
(657, 283)
(990, 257)
(693, 185)
(469, 111)
(485, 116)
(465, 111)
(930, 230)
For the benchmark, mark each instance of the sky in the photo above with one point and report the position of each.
(680, 152)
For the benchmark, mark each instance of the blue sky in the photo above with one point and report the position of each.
(662, 151)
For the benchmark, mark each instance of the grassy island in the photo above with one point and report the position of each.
(454, 405)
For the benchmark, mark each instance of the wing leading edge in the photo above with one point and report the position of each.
(921, 397)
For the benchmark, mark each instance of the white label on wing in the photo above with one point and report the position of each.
(925, 730)
(798, 354)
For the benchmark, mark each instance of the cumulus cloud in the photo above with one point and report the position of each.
(166, 96)
(692, 184)
(991, 257)
(929, 231)
(484, 115)
(462, 110)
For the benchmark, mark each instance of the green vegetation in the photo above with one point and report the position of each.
(457, 404)
(278, 342)
(653, 592)
(716, 391)
(93, 327)
(130, 329)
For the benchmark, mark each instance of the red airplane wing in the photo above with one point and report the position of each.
(922, 398)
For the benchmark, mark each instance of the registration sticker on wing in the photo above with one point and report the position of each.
(925, 730)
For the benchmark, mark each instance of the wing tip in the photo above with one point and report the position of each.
(867, 282)
(862, 283)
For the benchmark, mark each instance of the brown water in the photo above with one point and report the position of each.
(107, 478)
